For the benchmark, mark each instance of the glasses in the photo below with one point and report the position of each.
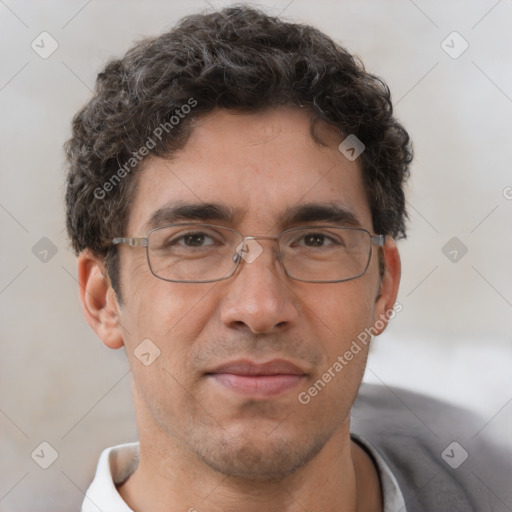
(204, 253)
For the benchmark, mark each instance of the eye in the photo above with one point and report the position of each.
(316, 240)
(179, 239)
(189, 240)
(196, 239)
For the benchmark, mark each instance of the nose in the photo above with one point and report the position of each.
(259, 296)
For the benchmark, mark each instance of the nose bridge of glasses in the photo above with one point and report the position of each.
(249, 249)
(261, 237)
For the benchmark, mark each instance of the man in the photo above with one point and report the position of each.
(234, 193)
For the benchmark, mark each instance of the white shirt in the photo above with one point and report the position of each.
(117, 463)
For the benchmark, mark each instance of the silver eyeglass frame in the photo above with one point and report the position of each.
(375, 239)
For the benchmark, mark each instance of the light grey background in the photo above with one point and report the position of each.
(452, 339)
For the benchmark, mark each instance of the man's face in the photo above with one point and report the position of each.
(267, 170)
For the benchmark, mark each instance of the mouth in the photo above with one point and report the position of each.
(261, 380)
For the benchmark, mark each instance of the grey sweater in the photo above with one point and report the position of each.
(439, 453)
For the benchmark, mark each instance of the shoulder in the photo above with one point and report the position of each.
(438, 452)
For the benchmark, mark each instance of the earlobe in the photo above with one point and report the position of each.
(388, 291)
(99, 302)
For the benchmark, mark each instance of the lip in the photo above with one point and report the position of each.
(262, 380)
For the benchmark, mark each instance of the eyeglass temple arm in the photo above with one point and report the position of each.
(378, 240)
(134, 242)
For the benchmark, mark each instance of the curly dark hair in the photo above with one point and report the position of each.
(237, 58)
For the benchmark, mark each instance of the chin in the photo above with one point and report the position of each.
(263, 460)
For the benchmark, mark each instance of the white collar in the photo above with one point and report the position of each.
(113, 468)
(392, 497)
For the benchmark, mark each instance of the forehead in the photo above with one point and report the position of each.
(259, 167)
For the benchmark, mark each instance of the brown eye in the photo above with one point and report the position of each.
(314, 240)
(195, 239)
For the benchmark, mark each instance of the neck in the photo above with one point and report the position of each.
(340, 477)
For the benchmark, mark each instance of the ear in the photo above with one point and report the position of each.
(99, 301)
(388, 291)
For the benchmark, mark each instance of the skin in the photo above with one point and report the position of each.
(204, 446)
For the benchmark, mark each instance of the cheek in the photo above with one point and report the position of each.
(162, 324)
(339, 316)
(341, 311)
(170, 315)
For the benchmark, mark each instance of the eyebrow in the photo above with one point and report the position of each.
(300, 214)
(315, 212)
(180, 211)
